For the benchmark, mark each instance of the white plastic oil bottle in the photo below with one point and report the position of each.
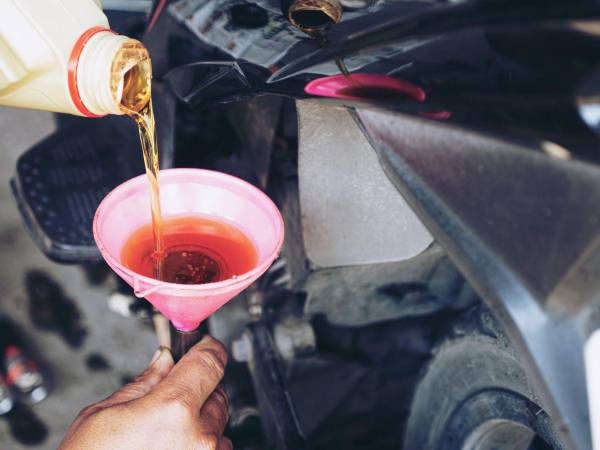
(61, 56)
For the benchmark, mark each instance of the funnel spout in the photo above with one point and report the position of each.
(182, 341)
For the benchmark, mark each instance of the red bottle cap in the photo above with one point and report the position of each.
(72, 69)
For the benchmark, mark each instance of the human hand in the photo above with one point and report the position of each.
(168, 406)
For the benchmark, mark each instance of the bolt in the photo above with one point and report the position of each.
(241, 349)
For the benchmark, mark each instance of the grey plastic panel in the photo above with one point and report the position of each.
(351, 212)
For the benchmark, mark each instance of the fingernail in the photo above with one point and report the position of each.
(162, 350)
(156, 356)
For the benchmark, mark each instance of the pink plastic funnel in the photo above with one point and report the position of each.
(186, 192)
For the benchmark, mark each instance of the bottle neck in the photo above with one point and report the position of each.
(100, 71)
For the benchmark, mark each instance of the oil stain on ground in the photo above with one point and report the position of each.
(96, 273)
(96, 362)
(127, 378)
(25, 427)
(52, 310)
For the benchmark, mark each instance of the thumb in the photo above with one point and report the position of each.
(159, 367)
(196, 375)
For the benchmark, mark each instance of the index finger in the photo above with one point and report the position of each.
(194, 378)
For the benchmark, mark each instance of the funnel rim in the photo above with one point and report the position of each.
(214, 288)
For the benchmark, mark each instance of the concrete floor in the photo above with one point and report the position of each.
(126, 344)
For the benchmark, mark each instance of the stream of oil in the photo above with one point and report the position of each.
(339, 62)
(147, 129)
(136, 101)
(354, 83)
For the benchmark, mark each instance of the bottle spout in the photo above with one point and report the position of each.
(114, 75)
(132, 77)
